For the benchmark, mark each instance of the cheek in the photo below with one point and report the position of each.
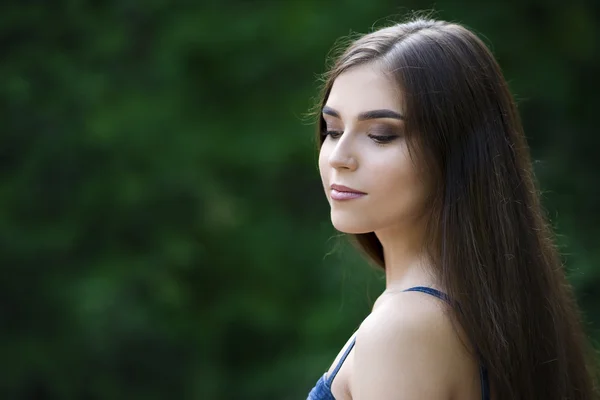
(392, 173)
(399, 187)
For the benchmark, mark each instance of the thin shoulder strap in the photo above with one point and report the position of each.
(483, 373)
(428, 290)
(339, 365)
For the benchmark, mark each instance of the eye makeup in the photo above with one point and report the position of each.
(379, 136)
(383, 131)
(332, 133)
(383, 139)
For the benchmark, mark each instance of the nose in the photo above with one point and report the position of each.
(342, 155)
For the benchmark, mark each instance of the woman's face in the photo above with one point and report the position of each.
(365, 150)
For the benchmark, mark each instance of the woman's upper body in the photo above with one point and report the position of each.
(405, 349)
(426, 167)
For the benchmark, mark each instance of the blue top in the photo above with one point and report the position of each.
(322, 390)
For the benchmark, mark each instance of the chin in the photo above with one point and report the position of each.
(347, 225)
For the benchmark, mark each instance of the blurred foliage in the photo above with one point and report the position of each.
(163, 230)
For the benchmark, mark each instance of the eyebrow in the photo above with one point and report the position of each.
(373, 114)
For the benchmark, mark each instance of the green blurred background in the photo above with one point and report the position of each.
(163, 229)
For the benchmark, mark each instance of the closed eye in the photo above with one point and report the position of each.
(379, 139)
(383, 138)
(333, 134)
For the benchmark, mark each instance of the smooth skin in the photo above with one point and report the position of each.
(406, 349)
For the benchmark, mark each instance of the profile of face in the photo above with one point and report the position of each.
(365, 150)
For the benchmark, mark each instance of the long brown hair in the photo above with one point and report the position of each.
(488, 237)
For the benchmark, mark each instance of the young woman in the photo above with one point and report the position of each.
(425, 165)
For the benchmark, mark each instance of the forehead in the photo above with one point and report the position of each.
(364, 88)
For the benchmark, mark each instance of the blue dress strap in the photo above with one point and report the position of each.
(428, 290)
(339, 364)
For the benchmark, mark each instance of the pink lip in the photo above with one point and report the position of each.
(340, 192)
(342, 188)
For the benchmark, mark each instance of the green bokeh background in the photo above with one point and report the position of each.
(163, 229)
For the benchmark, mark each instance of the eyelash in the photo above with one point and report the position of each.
(378, 139)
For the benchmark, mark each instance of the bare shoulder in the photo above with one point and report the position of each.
(408, 349)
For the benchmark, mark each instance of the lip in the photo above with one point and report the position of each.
(345, 189)
(341, 192)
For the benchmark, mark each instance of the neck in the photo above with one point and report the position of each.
(406, 264)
